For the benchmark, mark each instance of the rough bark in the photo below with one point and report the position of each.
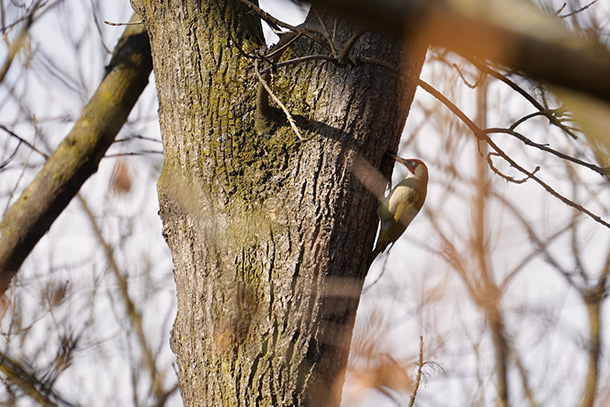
(269, 234)
(78, 156)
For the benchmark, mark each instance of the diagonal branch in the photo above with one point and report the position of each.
(514, 86)
(78, 156)
(275, 23)
(23, 377)
(539, 47)
(135, 317)
(544, 147)
(481, 135)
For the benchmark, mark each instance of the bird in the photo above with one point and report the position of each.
(403, 203)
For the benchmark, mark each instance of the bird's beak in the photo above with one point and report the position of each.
(401, 160)
(397, 158)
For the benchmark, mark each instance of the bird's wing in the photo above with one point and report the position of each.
(406, 205)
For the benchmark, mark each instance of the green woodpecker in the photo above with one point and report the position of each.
(399, 208)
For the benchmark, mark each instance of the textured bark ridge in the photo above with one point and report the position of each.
(269, 234)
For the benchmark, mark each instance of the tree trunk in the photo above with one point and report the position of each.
(269, 233)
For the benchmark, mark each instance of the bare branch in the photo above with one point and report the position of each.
(156, 377)
(78, 155)
(279, 102)
(504, 176)
(480, 134)
(4, 163)
(329, 40)
(547, 113)
(29, 383)
(544, 147)
(466, 82)
(24, 141)
(123, 24)
(420, 366)
(580, 10)
(309, 32)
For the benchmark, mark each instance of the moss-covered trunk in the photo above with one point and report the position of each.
(269, 234)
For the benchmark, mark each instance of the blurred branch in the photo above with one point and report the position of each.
(525, 381)
(4, 163)
(78, 156)
(492, 306)
(14, 47)
(156, 377)
(540, 46)
(540, 246)
(593, 301)
(28, 19)
(31, 385)
(593, 298)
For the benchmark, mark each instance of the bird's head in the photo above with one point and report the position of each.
(415, 166)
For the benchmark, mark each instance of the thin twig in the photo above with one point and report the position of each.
(350, 44)
(138, 137)
(338, 60)
(461, 74)
(481, 135)
(420, 366)
(297, 60)
(454, 109)
(526, 118)
(279, 102)
(24, 141)
(560, 9)
(283, 47)
(122, 24)
(504, 176)
(6, 162)
(329, 40)
(544, 147)
(552, 118)
(269, 19)
(548, 188)
(378, 62)
(583, 8)
(133, 314)
(134, 153)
